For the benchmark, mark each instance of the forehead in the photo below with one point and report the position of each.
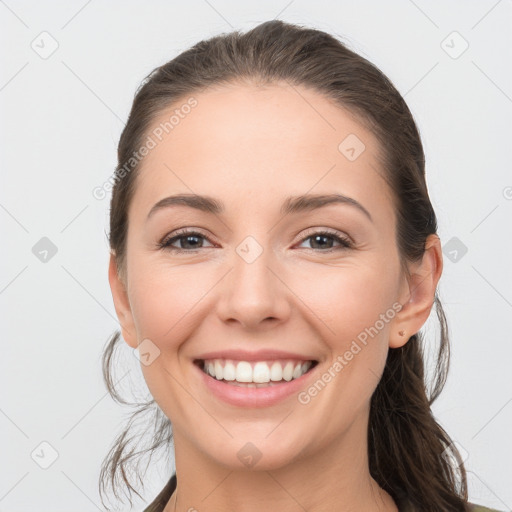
(252, 145)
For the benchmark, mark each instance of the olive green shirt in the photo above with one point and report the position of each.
(158, 504)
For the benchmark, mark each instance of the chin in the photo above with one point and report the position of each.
(256, 453)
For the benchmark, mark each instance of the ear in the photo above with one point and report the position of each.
(121, 303)
(418, 293)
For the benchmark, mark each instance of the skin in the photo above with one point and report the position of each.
(250, 147)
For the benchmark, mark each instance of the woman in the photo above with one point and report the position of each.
(273, 258)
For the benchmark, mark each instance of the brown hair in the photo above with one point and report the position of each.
(410, 455)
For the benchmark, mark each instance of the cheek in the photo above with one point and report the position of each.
(167, 303)
(350, 299)
(353, 310)
(164, 300)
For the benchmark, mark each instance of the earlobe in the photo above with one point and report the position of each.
(399, 338)
(419, 294)
(121, 303)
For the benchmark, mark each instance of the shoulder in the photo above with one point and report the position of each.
(404, 505)
(473, 507)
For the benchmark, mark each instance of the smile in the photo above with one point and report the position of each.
(255, 373)
(254, 383)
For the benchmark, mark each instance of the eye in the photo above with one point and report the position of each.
(319, 238)
(186, 238)
(190, 241)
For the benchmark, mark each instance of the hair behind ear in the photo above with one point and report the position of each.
(402, 425)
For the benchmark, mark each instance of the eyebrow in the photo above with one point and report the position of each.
(292, 204)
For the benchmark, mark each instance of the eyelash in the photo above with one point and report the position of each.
(165, 244)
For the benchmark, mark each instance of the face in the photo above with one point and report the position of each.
(321, 283)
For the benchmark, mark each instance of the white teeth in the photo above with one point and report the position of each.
(261, 373)
(288, 371)
(297, 372)
(229, 372)
(258, 374)
(218, 370)
(243, 372)
(276, 372)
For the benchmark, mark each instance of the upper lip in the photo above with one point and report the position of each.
(260, 355)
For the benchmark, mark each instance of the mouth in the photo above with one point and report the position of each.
(255, 374)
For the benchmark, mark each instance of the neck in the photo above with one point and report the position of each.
(334, 477)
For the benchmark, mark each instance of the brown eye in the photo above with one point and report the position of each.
(320, 239)
(189, 241)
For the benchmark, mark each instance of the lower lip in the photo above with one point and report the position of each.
(254, 397)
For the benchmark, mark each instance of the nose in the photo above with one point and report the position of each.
(254, 294)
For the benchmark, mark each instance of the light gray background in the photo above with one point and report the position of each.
(61, 118)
